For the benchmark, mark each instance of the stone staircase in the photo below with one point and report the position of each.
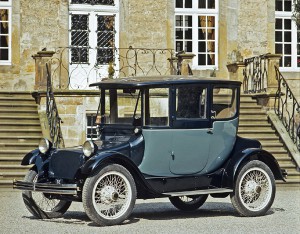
(254, 124)
(20, 132)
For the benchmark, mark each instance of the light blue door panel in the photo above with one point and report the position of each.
(222, 143)
(157, 152)
(190, 150)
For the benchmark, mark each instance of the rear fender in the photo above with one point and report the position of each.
(241, 158)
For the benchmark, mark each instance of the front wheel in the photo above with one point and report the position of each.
(254, 190)
(109, 195)
(41, 205)
(188, 203)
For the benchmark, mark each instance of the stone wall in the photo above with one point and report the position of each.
(36, 24)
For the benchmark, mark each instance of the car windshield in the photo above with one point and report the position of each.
(120, 106)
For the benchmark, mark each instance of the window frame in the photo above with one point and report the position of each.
(8, 5)
(294, 41)
(195, 12)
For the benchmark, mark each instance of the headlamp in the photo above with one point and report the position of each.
(45, 145)
(89, 148)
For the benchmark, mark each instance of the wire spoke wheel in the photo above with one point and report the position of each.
(109, 196)
(42, 205)
(254, 190)
(188, 203)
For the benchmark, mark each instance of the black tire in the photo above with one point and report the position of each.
(188, 203)
(109, 196)
(254, 189)
(35, 202)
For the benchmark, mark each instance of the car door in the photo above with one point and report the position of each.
(190, 130)
(224, 117)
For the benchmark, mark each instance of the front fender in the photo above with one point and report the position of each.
(239, 159)
(30, 158)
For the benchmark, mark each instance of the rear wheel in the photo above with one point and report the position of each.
(41, 205)
(188, 203)
(109, 195)
(254, 191)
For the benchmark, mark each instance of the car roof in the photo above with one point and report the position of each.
(159, 81)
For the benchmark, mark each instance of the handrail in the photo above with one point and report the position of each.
(54, 120)
(287, 108)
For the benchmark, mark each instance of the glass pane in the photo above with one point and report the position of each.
(179, 3)
(188, 21)
(105, 56)
(287, 24)
(79, 38)
(210, 21)
(179, 33)
(278, 48)
(201, 59)
(79, 55)
(287, 61)
(287, 49)
(210, 46)
(201, 46)
(4, 40)
(188, 34)
(211, 4)
(105, 23)
(79, 22)
(211, 34)
(105, 39)
(179, 46)
(278, 23)
(188, 3)
(202, 21)
(288, 5)
(202, 4)
(298, 49)
(298, 62)
(278, 5)
(287, 36)
(179, 20)
(224, 103)
(191, 102)
(4, 54)
(211, 59)
(156, 107)
(278, 36)
(202, 34)
(189, 46)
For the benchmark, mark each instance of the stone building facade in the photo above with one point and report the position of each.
(217, 32)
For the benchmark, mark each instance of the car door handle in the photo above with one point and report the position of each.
(210, 131)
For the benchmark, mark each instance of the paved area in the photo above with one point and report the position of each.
(159, 216)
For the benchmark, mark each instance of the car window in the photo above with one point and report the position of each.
(156, 106)
(224, 103)
(191, 102)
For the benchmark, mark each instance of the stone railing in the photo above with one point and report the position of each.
(287, 109)
(256, 73)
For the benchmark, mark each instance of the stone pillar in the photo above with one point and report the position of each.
(272, 84)
(41, 58)
(236, 71)
(184, 60)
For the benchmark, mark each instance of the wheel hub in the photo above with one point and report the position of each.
(109, 194)
(252, 187)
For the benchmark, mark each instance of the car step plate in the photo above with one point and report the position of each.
(198, 192)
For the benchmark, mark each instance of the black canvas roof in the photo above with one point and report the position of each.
(159, 81)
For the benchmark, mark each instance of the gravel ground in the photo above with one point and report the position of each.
(159, 216)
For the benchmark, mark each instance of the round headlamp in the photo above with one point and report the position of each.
(89, 148)
(44, 145)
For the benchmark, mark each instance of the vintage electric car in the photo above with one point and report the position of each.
(171, 136)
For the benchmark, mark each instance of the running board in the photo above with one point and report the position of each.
(198, 192)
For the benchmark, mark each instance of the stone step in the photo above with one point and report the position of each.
(18, 146)
(16, 111)
(255, 131)
(4, 168)
(20, 139)
(260, 137)
(32, 132)
(13, 175)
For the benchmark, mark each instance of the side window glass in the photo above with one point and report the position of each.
(191, 102)
(156, 107)
(224, 103)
